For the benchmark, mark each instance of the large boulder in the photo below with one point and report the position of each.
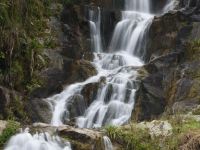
(80, 139)
(75, 107)
(39, 110)
(89, 92)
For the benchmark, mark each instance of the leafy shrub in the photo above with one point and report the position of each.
(10, 130)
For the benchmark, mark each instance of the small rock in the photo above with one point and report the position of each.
(157, 128)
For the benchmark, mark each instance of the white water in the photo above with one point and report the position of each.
(138, 5)
(171, 4)
(95, 27)
(107, 143)
(42, 141)
(132, 28)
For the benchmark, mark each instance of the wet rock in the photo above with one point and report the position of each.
(75, 107)
(89, 92)
(108, 93)
(39, 110)
(83, 139)
(81, 70)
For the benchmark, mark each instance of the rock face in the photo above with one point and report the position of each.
(68, 62)
(76, 32)
(164, 34)
(11, 105)
(89, 92)
(172, 82)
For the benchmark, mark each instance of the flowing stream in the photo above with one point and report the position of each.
(117, 78)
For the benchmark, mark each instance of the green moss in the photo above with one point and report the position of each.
(11, 129)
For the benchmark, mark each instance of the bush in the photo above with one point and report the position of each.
(10, 130)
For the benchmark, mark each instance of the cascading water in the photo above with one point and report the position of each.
(42, 141)
(138, 5)
(114, 102)
(115, 97)
(95, 25)
(107, 143)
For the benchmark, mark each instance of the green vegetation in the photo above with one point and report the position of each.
(11, 129)
(132, 137)
(23, 29)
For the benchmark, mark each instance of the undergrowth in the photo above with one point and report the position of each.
(131, 137)
(22, 25)
(10, 130)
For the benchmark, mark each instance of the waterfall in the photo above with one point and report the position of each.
(133, 28)
(95, 27)
(138, 5)
(171, 4)
(107, 143)
(114, 101)
(38, 141)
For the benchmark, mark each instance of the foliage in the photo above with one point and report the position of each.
(11, 129)
(21, 22)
